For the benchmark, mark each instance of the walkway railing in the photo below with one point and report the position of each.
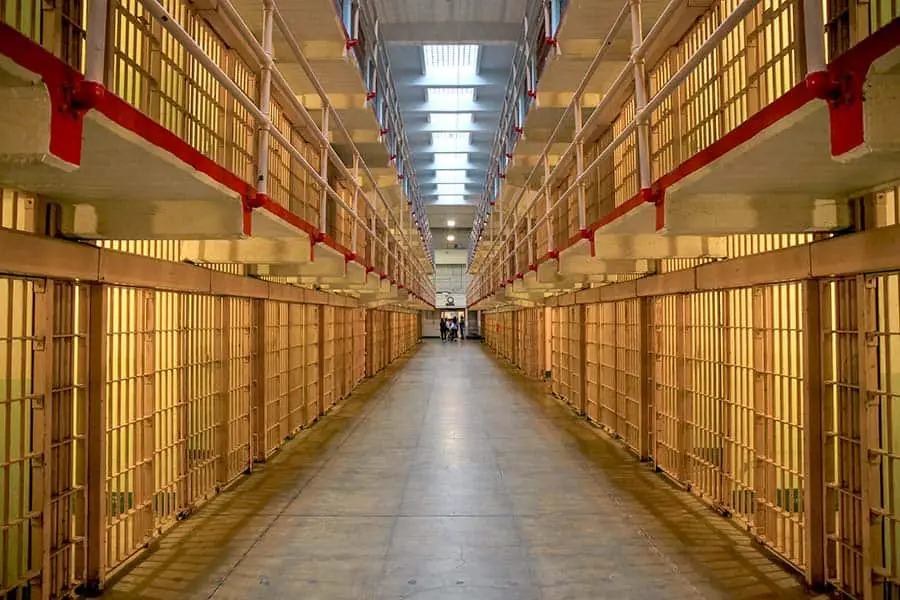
(700, 78)
(233, 103)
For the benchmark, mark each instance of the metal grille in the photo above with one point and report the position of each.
(739, 456)
(628, 371)
(778, 361)
(174, 349)
(609, 415)
(201, 372)
(844, 478)
(670, 406)
(296, 368)
(884, 347)
(329, 380)
(17, 519)
(238, 360)
(65, 528)
(592, 334)
(311, 351)
(703, 386)
(276, 357)
(129, 422)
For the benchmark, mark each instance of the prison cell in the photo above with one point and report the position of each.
(178, 378)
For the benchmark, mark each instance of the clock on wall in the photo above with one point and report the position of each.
(449, 301)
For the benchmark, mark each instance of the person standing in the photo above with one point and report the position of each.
(443, 329)
(462, 329)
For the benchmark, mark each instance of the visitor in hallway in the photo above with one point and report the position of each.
(443, 329)
(462, 329)
(453, 329)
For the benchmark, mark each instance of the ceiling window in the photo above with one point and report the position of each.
(451, 189)
(450, 176)
(450, 121)
(450, 97)
(450, 62)
(450, 161)
(451, 199)
(451, 141)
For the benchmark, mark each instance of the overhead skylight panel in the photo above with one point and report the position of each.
(451, 189)
(450, 121)
(451, 97)
(450, 160)
(451, 141)
(450, 62)
(450, 176)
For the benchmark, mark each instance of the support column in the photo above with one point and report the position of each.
(223, 309)
(873, 583)
(646, 370)
(96, 442)
(258, 382)
(42, 419)
(582, 358)
(814, 434)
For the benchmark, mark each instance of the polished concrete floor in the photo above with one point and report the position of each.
(449, 476)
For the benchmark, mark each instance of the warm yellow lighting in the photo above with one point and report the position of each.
(450, 238)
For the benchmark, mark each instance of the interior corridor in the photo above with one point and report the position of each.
(450, 476)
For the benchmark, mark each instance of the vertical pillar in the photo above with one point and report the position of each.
(814, 434)
(869, 420)
(258, 382)
(145, 439)
(684, 398)
(582, 358)
(96, 440)
(321, 370)
(645, 422)
(42, 419)
(323, 220)
(224, 332)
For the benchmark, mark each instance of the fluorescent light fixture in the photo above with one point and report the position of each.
(450, 62)
(453, 176)
(450, 97)
(450, 160)
(451, 237)
(451, 223)
(450, 121)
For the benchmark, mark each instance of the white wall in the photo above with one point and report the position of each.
(453, 279)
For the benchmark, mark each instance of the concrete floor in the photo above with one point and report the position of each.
(449, 476)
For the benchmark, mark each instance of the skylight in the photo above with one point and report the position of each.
(450, 121)
(450, 176)
(450, 62)
(451, 141)
(450, 161)
(451, 199)
(451, 189)
(451, 97)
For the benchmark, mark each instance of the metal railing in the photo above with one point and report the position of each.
(524, 222)
(395, 249)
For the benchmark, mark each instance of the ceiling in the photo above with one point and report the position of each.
(450, 61)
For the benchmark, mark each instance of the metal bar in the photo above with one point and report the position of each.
(640, 96)
(814, 433)
(95, 44)
(814, 36)
(96, 439)
(265, 101)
